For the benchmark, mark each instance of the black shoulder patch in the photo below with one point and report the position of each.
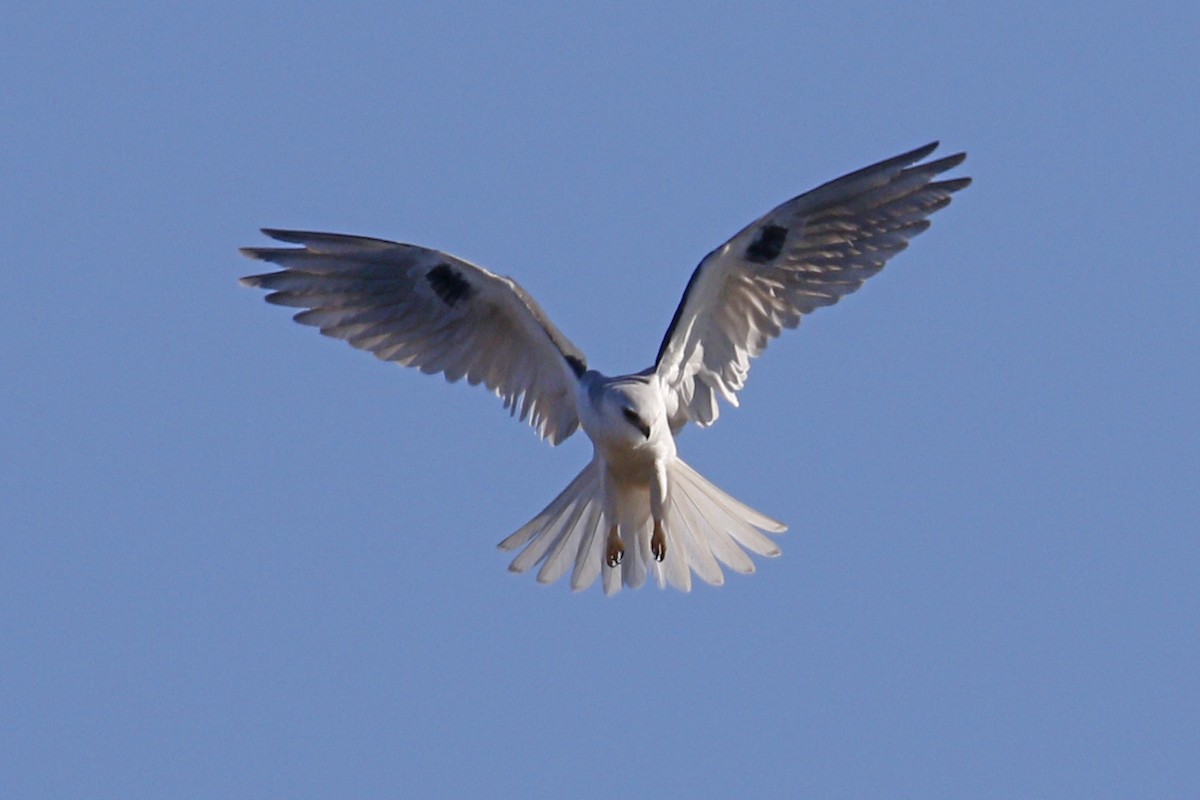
(576, 364)
(768, 245)
(449, 284)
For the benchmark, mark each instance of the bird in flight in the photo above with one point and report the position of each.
(636, 509)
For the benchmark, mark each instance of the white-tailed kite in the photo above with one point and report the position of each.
(636, 507)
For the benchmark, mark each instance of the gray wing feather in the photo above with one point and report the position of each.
(426, 309)
(807, 253)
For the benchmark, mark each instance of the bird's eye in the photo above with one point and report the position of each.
(632, 417)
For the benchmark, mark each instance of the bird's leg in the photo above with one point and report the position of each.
(658, 542)
(658, 502)
(616, 548)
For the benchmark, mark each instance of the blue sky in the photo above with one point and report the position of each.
(241, 560)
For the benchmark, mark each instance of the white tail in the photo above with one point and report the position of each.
(704, 526)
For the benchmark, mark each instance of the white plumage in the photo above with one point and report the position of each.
(636, 508)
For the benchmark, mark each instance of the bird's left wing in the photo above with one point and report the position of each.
(426, 309)
(805, 254)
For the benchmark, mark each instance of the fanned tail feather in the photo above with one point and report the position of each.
(705, 528)
(557, 523)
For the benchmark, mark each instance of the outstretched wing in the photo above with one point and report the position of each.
(805, 254)
(422, 308)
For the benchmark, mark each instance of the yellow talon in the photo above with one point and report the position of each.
(616, 549)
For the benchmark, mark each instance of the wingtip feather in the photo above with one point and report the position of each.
(286, 235)
(943, 164)
(953, 185)
(923, 150)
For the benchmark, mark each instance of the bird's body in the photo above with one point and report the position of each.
(626, 419)
(636, 508)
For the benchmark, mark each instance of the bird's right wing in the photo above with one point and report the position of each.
(426, 309)
(806, 253)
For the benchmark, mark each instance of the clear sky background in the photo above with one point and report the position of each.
(239, 560)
